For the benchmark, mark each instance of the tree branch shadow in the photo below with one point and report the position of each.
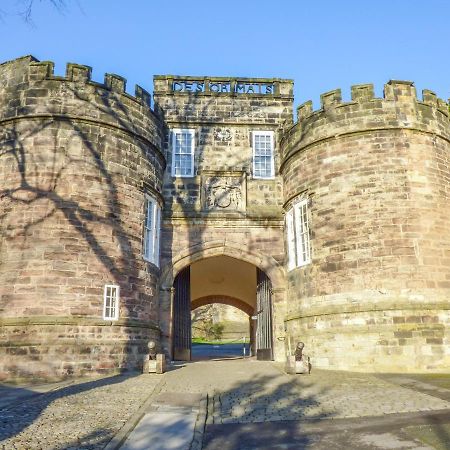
(26, 406)
(76, 180)
(262, 404)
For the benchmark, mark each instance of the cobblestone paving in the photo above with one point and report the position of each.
(266, 395)
(253, 391)
(88, 414)
(82, 416)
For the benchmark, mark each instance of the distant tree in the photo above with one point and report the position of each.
(216, 331)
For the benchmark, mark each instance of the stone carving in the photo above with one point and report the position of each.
(238, 134)
(61, 90)
(222, 134)
(247, 113)
(223, 192)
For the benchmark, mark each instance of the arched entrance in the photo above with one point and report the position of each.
(227, 280)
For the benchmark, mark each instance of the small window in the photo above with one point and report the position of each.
(152, 224)
(183, 145)
(111, 302)
(297, 230)
(263, 164)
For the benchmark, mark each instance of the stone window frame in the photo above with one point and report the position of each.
(298, 237)
(265, 133)
(111, 312)
(173, 134)
(151, 230)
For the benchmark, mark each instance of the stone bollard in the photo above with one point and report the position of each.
(293, 366)
(154, 362)
(298, 363)
(157, 365)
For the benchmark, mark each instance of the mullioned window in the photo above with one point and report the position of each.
(263, 160)
(152, 225)
(298, 238)
(183, 150)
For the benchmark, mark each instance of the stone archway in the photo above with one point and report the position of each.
(224, 300)
(193, 254)
(222, 317)
(268, 264)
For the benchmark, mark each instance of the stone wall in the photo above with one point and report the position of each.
(76, 158)
(377, 173)
(223, 123)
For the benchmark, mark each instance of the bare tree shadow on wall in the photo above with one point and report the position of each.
(186, 195)
(43, 190)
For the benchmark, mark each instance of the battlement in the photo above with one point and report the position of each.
(30, 87)
(232, 86)
(44, 70)
(394, 90)
(399, 108)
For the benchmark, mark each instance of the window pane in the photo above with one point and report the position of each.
(263, 156)
(111, 302)
(182, 158)
(290, 239)
(150, 244)
(302, 233)
(148, 229)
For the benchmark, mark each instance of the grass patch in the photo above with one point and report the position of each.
(215, 342)
(437, 436)
(441, 380)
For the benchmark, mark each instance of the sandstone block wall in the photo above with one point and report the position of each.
(76, 158)
(223, 123)
(377, 173)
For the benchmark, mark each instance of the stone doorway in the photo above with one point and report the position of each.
(223, 280)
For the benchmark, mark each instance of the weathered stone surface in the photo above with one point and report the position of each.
(157, 365)
(77, 158)
(223, 207)
(377, 174)
(73, 161)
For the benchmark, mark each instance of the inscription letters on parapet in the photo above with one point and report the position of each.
(223, 87)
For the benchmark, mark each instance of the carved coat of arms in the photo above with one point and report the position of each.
(223, 193)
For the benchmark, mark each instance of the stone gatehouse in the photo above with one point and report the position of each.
(119, 214)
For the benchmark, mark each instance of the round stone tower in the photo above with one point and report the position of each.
(376, 176)
(78, 160)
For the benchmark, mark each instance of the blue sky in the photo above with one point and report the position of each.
(322, 45)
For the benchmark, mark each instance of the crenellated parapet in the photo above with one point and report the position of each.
(376, 173)
(29, 87)
(78, 161)
(398, 109)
